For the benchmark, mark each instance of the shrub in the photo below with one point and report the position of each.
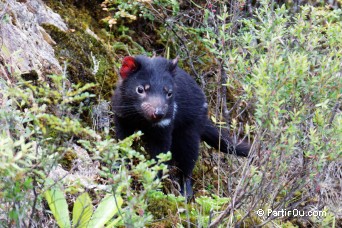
(42, 128)
(289, 67)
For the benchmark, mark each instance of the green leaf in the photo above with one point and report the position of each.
(114, 223)
(107, 208)
(58, 206)
(82, 211)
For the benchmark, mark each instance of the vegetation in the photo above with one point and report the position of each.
(272, 73)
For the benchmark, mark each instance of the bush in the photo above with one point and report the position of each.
(42, 128)
(289, 67)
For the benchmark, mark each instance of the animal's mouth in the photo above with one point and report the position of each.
(154, 119)
(157, 116)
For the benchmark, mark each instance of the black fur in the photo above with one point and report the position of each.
(186, 109)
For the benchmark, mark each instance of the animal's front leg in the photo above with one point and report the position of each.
(185, 147)
(122, 129)
(158, 143)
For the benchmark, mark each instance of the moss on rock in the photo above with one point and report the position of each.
(80, 46)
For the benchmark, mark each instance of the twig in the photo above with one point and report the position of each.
(224, 214)
(186, 50)
(34, 202)
(224, 79)
(333, 112)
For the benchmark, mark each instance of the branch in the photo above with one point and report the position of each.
(333, 113)
(224, 79)
(235, 203)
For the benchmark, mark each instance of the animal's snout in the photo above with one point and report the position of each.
(154, 111)
(158, 114)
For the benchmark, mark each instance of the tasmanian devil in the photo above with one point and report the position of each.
(165, 103)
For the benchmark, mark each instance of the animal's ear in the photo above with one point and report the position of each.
(173, 64)
(129, 65)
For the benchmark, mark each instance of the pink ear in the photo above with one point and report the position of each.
(128, 66)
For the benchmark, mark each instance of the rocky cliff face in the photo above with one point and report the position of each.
(26, 48)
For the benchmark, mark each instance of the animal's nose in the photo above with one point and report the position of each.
(158, 114)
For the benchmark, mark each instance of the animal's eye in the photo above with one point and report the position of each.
(169, 94)
(140, 90)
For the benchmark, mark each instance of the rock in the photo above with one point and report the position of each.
(84, 172)
(101, 116)
(25, 45)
